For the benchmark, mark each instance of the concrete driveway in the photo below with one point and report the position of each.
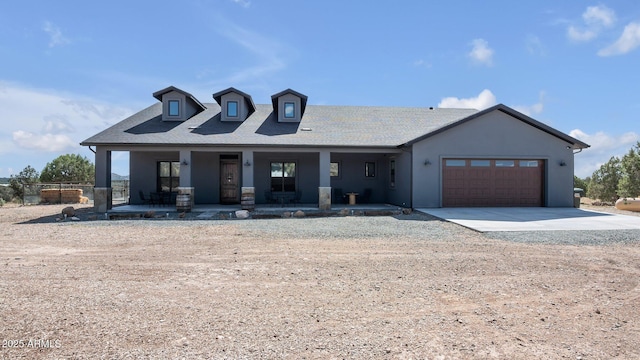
(533, 219)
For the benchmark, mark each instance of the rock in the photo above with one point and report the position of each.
(344, 212)
(75, 218)
(286, 214)
(299, 214)
(149, 214)
(242, 214)
(406, 211)
(69, 211)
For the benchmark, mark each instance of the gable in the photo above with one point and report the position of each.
(513, 115)
(177, 105)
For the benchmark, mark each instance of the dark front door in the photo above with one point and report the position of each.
(229, 178)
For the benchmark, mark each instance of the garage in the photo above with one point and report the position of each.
(492, 182)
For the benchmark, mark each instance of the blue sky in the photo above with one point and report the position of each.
(72, 68)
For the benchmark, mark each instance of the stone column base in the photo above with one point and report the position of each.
(102, 197)
(248, 198)
(324, 198)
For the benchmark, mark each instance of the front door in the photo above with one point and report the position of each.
(229, 182)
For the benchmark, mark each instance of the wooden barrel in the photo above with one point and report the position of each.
(183, 202)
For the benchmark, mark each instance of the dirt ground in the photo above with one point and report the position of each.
(242, 289)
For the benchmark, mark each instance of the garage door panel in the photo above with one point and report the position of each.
(486, 182)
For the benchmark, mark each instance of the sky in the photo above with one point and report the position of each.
(70, 69)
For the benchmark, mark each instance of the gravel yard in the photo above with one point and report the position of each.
(403, 287)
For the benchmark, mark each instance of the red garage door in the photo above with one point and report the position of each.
(492, 182)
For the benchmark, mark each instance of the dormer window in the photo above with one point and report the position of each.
(234, 105)
(177, 105)
(232, 109)
(289, 110)
(289, 105)
(174, 107)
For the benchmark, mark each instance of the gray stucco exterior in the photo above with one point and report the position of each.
(405, 146)
(494, 135)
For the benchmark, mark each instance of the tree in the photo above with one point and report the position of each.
(27, 176)
(629, 185)
(69, 168)
(604, 181)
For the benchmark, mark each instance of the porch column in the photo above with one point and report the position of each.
(324, 191)
(185, 175)
(102, 192)
(248, 191)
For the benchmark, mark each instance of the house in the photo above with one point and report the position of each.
(233, 151)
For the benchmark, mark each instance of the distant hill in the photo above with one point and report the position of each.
(115, 176)
(4, 180)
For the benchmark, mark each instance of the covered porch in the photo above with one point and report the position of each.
(260, 178)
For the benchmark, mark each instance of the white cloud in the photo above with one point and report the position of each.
(595, 18)
(599, 15)
(484, 100)
(628, 41)
(534, 46)
(531, 110)
(481, 53)
(603, 147)
(576, 34)
(55, 35)
(268, 53)
(243, 3)
(38, 125)
(43, 142)
(422, 63)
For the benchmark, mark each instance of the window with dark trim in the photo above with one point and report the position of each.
(283, 176)
(168, 176)
(455, 163)
(392, 173)
(369, 169)
(289, 110)
(232, 109)
(174, 107)
(334, 169)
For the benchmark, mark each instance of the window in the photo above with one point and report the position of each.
(369, 169)
(174, 108)
(283, 176)
(505, 163)
(453, 162)
(334, 169)
(168, 176)
(480, 163)
(528, 163)
(392, 173)
(289, 110)
(232, 109)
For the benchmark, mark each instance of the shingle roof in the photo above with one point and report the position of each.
(321, 125)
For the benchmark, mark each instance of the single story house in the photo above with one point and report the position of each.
(233, 151)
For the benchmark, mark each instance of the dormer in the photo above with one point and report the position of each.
(289, 105)
(177, 105)
(234, 104)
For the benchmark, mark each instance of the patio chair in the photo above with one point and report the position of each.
(269, 198)
(296, 197)
(145, 200)
(338, 196)
(366, 196)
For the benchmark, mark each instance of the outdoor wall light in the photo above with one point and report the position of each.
(562, 163)
(427, 162)
(184, 162)
(247, 163)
